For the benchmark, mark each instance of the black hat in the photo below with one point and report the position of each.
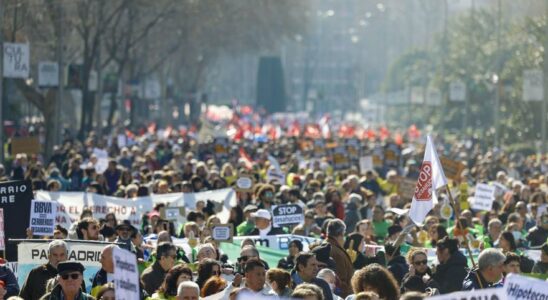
(127, 224)
(70, 266)
(322, 253)
(394, 229)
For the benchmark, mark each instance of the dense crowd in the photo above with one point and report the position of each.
(367, 247)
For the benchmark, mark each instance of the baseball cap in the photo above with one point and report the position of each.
(262, 213)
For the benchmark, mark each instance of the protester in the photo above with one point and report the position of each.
(188, 290)
(396, 262)
(213, 285)
(377, 279)
(35, 284)
(174, 277)
(154, 275)
(330, 277)
(512, 264)
(207, 268)
(288, 262)
(419, 272)
(541, 267)
(538, 235)
(9, 286)
(452, 270)
(70, 281)
(308, 292)
(106, 273)
(306, 270)
(279, 280)
(255, 277)
(106, 292)
(263, 223)
(489, 272)
(344, 268)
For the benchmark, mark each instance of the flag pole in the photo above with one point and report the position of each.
(457, 218)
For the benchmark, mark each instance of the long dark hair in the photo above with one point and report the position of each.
(169, 286)
(507, 235)
(204, 270)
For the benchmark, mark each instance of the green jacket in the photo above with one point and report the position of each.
(55, 294)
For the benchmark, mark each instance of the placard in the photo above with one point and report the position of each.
(533, 85)
(221, 148)
(366, 163)
(48, 74)
(15, 199)
(483, 197)
(406, 188)
(244, 184)
(353, 148)
(392, 153)
(2, 235)
(319, 148)
(491, 294)
(172, 213)
(126, 275)
(340, 158)
(452, 168)
(28, 145)
(16, 60)
(520, 287)
(222, 232)
(42, 217)
(287, 214)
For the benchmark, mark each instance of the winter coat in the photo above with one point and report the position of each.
(344, 268)
(451, 274)
(471, 282)
(56, 294)
(398, 267)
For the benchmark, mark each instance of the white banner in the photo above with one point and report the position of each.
(278, 242)
(71, 204)
(533, 85)
(126, 274)
(48, 74)
(32, 254)
(16, 60)
(457, 91)
(484, 196)
(521, 287)
(42, 217)
(491, 294)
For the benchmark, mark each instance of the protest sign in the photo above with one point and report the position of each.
(102, 160)
(521, 287)
(483, 197)
(275, 172)
(221, 149)
(172, 213)
(378, 157)
(2, 236)
(406, 188)
(490, 294)
(244, 184)
(222, 232)
(16, 60)
(353, 148)
(15, 199)
(451, 168)
(42, 217)
(48, 74)
(340, 158)
(287, 214)
(71, 204)
(366, 163)
(28, 145)
(34, 254)
(392, 153)
(319, 148)
(126, 275)
(277, 242)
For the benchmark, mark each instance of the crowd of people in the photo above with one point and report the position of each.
(367, 247)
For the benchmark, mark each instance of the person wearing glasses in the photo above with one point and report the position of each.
(35, 284)
(153, 276)
(419, 272)
(124, 231)
(88, 229)
(69, 285)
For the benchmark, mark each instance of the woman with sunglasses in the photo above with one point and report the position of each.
(419, 272)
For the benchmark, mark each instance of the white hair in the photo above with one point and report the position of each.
(490, 257)
(187, 285)
(325, 273)
(57, 244)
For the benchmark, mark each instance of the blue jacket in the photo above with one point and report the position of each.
(10, 282)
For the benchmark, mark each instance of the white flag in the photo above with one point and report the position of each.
(430, 179)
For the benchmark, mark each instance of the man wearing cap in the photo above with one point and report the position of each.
(452, 269)
(69, 285)
(247, 226)
(124, 231)
(35, 284)
(263, 224)
(538, 235)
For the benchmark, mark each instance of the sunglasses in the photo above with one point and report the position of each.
(420, 262)
(72, 276)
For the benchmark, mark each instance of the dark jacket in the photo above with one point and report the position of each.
(286, 263)
(362, 260)
(98, 280)
(344, 268)
(10, 282)
(537, 236)
(273, 231)
(450, 275)
(153, 277)
(351, 216)
(35, 284)
(57, 291)
(431, 283)
(398, 267)
(471, 282)
(296, 280)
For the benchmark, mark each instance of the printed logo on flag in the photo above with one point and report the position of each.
(423, 189)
